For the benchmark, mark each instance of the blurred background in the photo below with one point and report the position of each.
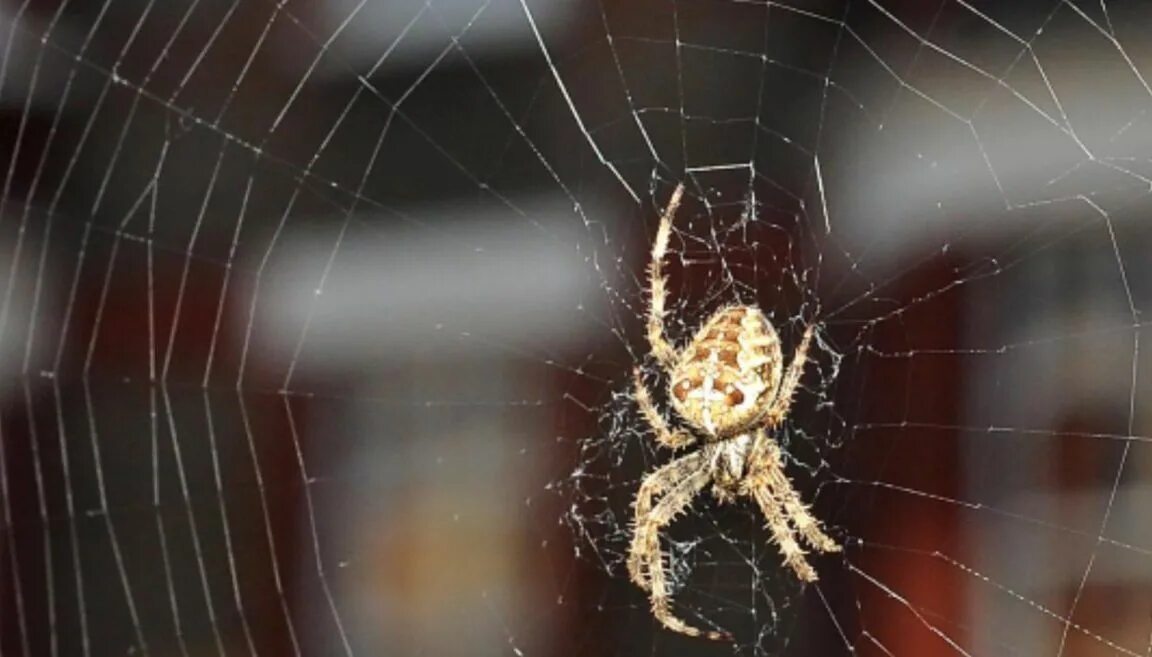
(318, 317)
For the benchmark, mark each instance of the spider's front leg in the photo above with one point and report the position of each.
(658, 283)
(666, 436)
(782, 402)
(683, 479)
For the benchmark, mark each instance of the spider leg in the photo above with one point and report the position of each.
(664, 435)
(658, 290)
(646, 552)
(782, 402)
(769, 485)
(773, 509)
(656, 484)
(798, 512)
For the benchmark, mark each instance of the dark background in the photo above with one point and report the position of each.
(306, 328)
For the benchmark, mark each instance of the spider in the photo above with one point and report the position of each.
(729, 386)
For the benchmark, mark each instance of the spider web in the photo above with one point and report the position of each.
(319, 320)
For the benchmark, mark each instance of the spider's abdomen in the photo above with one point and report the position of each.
(723, 377)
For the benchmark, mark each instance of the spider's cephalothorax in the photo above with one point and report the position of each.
(729, 385)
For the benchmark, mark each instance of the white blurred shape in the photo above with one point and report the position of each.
(24, 337)
(413, 31)
(456, 281)
(34, 61)
(979, 162)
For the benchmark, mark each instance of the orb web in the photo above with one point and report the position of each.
(318, 321)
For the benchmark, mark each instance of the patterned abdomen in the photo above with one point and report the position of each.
(722, 377)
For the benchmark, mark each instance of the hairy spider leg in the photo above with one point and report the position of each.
(674, 439)
(772, 507)
(764, 449)
(782, 402)
(780, 503)
(658, 282)
(799, 513)
(646, 549)
(658, 483)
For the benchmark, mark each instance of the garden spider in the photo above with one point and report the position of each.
(729, 385)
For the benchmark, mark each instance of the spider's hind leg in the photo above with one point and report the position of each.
(646, 560)
(800, 515)
(771, 506)
(662, 483)
(768, 484)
